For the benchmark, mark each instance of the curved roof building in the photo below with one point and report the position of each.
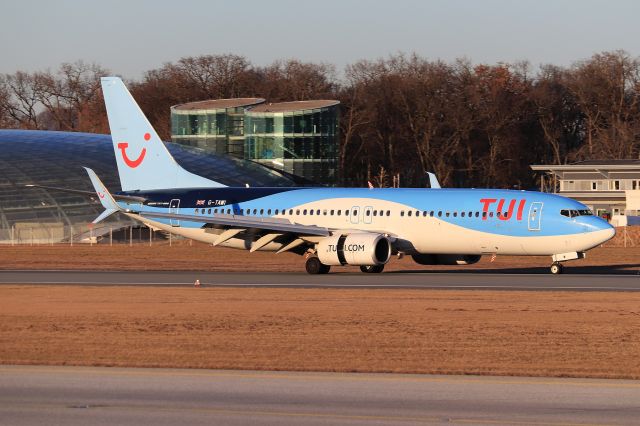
(56, 159)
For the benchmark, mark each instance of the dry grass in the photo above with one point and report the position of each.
(462, 332)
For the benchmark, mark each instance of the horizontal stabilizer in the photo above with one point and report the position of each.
(92, 194)
(105, 214)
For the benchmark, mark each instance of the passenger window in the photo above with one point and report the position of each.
(339, 212)
(431, 213)
(269, 211)
(490, 214)
(462, 214)
(297, 212)
(304, 212)
(440, 213)
(311, 212)
(318, 212)
(477, 214)
(409, 213)
(388, 212)
(261, 212)
(447, 214)
(332, 211)
(401, 212)
(375, 212)
(455, 214)
(209, 211)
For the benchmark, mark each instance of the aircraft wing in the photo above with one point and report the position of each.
(244, 222)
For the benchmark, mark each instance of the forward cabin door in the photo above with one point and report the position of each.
(535, 216)
(174, 207)
(355, 214)
(367, 217)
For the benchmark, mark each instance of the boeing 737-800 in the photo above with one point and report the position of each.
(335, 226)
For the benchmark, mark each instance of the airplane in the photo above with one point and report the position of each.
(329, 226)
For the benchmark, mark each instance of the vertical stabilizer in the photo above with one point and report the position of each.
(143, 161)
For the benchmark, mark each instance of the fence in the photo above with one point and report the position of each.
(57, 233)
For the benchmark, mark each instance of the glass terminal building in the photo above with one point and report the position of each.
(299, 139)
(216, 125)
(56, 159)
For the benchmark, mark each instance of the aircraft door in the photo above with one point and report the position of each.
(367, 217)
(355, 214)
(174, 207)
(535, 216)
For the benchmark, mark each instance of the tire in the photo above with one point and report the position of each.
(556, 268)
(372, 269)
(314, 266)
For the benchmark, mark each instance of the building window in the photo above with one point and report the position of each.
(594, 185)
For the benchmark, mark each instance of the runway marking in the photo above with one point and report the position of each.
(321, 376)
(274, 413)
(320, 285)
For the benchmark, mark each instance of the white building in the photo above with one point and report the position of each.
(609, 187)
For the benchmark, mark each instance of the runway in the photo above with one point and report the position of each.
(105, 396)
(393, 280)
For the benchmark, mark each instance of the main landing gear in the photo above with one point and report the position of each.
(314, 266)
(372, 269)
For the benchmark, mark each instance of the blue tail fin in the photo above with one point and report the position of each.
(143, 160)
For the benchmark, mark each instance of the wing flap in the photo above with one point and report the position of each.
(269, 224)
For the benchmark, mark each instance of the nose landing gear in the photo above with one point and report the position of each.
(556, 268)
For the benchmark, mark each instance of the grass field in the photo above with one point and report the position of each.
(462, 332)
(452, 332)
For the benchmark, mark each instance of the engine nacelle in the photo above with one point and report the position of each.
(354, 249)
(446, 259)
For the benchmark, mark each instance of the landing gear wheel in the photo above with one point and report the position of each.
(314, 266)
(556, 268)
(372, 269)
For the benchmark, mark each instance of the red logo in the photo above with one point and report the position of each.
(128, 161)
(100, 194)
(502, 215)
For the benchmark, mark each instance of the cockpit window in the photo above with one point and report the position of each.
(575, 213)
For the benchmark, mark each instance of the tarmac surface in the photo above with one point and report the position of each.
(397, 280)
(35, 395)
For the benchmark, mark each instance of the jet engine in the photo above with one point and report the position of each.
(354, 249)
(446, 259)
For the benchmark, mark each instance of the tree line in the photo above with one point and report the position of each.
(473, 125)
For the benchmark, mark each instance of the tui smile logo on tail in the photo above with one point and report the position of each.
(128, 161)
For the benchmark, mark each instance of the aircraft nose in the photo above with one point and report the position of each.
(604, 230)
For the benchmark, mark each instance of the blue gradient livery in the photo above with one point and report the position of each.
(336, 226)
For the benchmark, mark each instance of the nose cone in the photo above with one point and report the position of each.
(596, 231)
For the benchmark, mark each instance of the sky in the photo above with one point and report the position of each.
(129, 37)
